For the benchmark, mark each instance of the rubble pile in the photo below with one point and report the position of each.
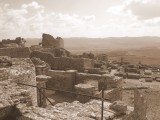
(70, 111)
(5, 61)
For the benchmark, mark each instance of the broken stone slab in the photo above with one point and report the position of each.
(148, 79)
(42, 78)
(113, 94)
(158, 79)
(148, 72)
(110, 95)
(119, 106)
(86, 89)
(133, 76)
(106, 116)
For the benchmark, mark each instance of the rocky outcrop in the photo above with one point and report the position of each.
(50, 41)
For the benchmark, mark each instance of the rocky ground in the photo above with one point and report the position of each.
(16, 103)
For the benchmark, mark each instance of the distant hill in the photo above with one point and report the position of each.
(100, 44)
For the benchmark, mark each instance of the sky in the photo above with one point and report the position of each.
(79, 18)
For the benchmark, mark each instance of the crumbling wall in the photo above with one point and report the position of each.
(15, 52)
(64, 63)
(23, 71)
(18, 42)
(12, 94)
(46, 57)
(50, 41)
(41, 66)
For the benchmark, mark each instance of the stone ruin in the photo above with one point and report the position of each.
(50, 41)
(21, 102)
(53, 67)
(14, 48)
(18, 42)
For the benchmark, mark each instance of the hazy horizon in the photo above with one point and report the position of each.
(79, 18)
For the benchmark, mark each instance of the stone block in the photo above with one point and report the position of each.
(133, 76)
(62, 80)
(119, 107)
(140, 106)
(113, 95)
(85, 89)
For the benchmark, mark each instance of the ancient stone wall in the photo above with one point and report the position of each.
(82, 77)
(18, 42)
(50, 41)
(64, 63)
(23, 71)
(104, 80)
(15, 52)
(62, 80)
(65, 80)
(46, 57)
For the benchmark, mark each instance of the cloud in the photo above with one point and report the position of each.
(32, 20)
(144, 9)
(136, 13)
(33, 4)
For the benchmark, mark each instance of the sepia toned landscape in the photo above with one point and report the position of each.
(63, 61)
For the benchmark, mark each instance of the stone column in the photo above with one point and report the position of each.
(41, 93)
(140, 106)
(41, 70)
